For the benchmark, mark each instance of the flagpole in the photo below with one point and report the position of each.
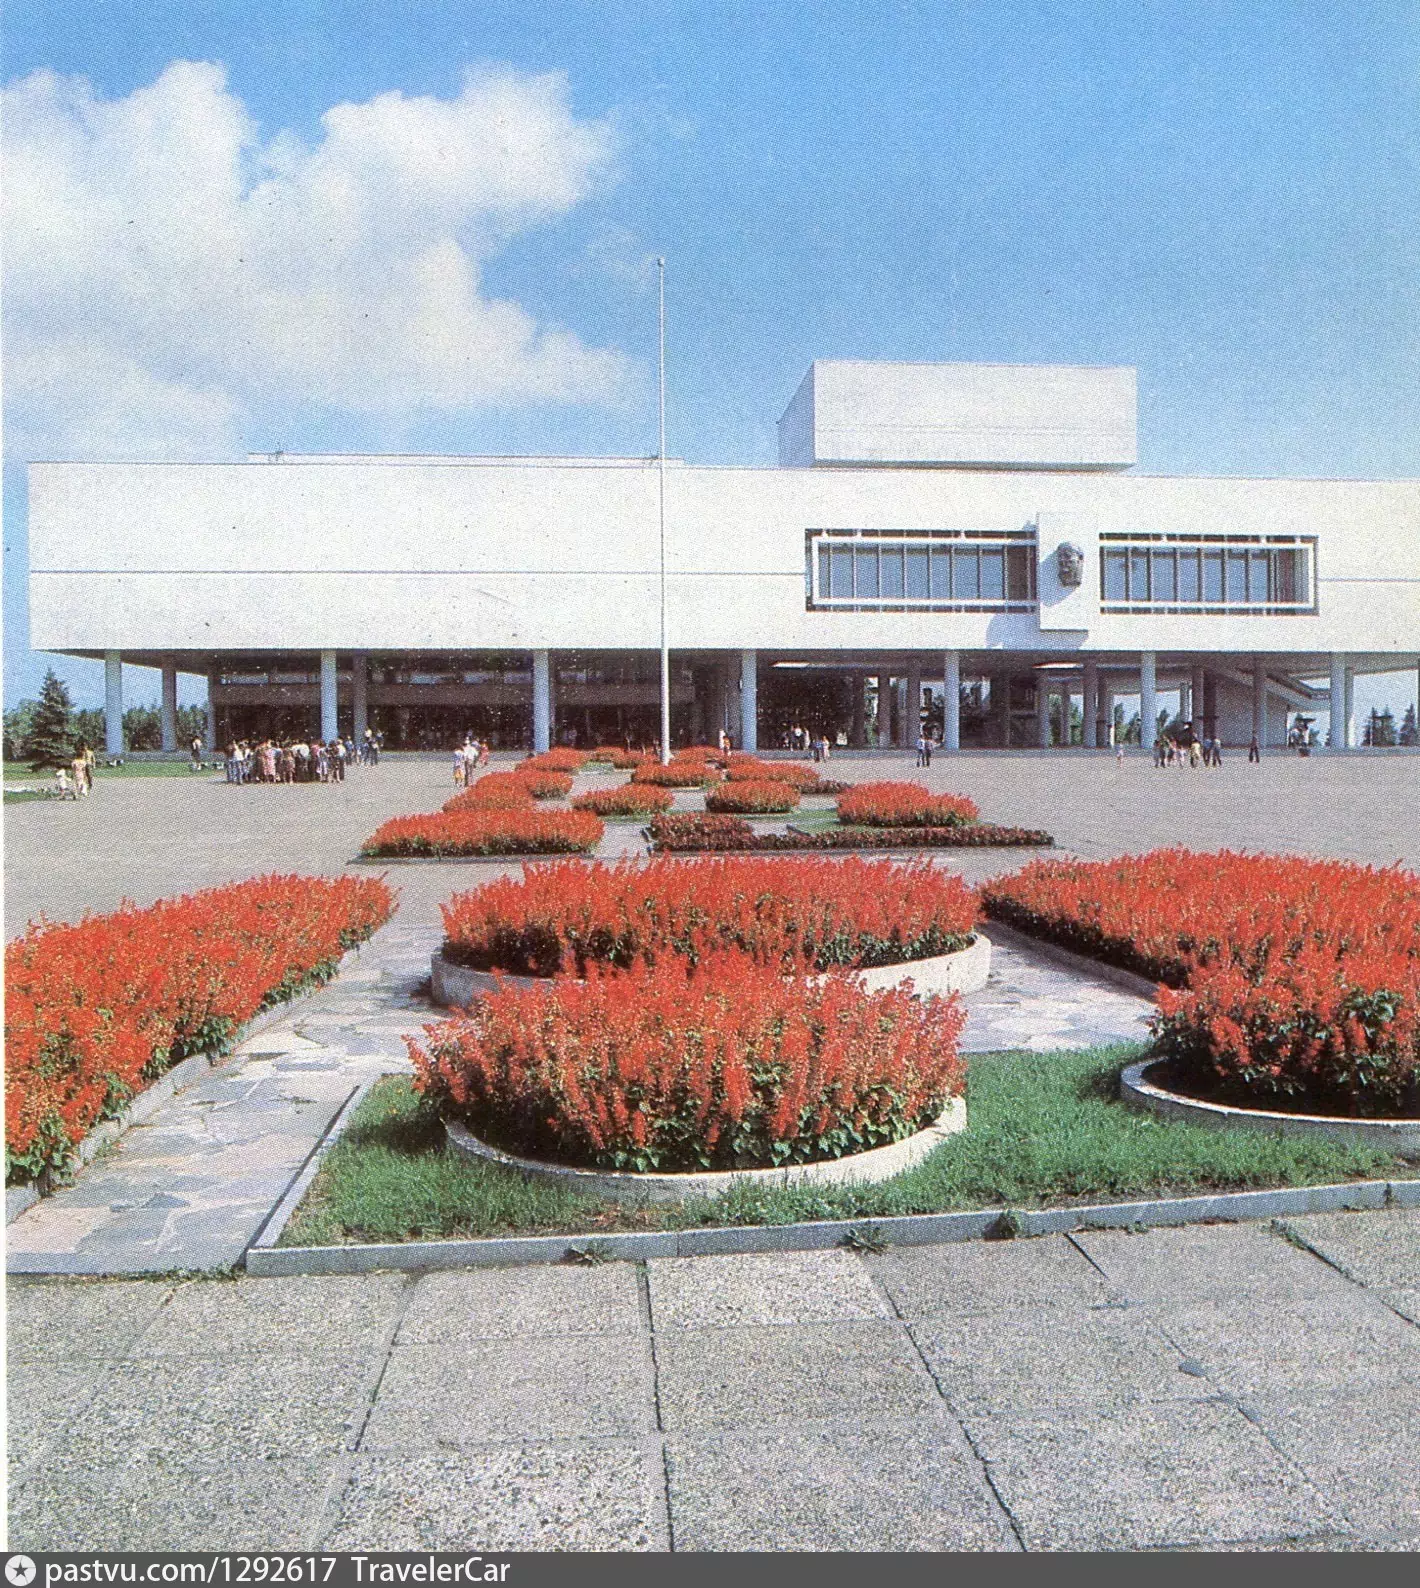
(661, 454)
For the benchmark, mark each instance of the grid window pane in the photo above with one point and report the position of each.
(1288, 574)
(1237, 577)
(890, 561)
(842, 574)
(825, 574)
(1258, 585)
(993, 575)
(1138, 576)
(918, 585)
(1189, 585)
(1020, 563)
(966, 575)
(941, 573)
(1212, 576)
(1116, 586)
(1163, 573)
(867, 572)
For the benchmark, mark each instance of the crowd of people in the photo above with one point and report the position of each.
(76, 781)
(300, 760)
(1189, 750)
(468, 757)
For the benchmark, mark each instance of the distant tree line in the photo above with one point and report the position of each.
(44, 732)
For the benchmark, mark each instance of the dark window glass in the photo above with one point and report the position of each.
(867, 586)
(993, 575)
(1020, 564)
(966, 575)
(1288, 572)
(890, 559)
(941, 573)
(1212, 576)
(825, 578)
(1115, 585)
(1163, 573)
(1258, 588)
(1237, 577)
(1138, 576)
(1189, 588)
(918, 586)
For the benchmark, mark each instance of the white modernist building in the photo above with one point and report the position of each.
(968, 536)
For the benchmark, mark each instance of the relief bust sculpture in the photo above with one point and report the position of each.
(1069, 565)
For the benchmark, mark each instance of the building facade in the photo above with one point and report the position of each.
(963, 541)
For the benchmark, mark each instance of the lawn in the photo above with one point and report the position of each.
(1041, 1131)
(22, 772)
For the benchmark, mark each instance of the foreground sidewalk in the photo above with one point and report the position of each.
(1198, 1388)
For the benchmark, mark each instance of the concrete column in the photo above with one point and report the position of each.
(1089, 707)
(1148, 699)
(914, 703)
(1210, 705)
(1042, 710)
(951, 703)
(1338, 702)
(1200, 693)
(1352, 737)
(360, 695)
(169, 713)
(1001, 705)
(858, 733)
(329, 718)
(1259, 701)
(1185, 701)
(209, 736)
(542, 702)
(749, 699)
(113, 703)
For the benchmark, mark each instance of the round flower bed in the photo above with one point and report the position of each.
(613, 755)
(561, 760)
(691, 833)
(510, 791)
(903, 805)
(670, 1067)
(1293, 984)
(814, 914)
(631, 799)
(759, 799)
(679, 774)
(474, 833)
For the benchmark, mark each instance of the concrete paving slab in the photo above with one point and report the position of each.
(202, 1411)
(886, 1486)
(1148, 1476)
(1045, 1358)
(528, 1497)
(821, 1372)
(1384, 1253)
(510, 1303)
(40, 1400)
(157, 1506)
(1265, 1346)
(762, 1288)
(1200, 1262)
(56, 1320)
(344, 1316)
(992, 1276)
(588, 1386)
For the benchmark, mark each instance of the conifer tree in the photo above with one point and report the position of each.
(51, 739)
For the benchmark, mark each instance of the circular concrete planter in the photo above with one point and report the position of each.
(863, 1168)
(1399, 1136)
(456, 986)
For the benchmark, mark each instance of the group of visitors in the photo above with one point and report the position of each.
(76, 781)
(1189, 750)
(299, 760)
(468, 757)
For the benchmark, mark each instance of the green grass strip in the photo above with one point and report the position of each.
(1042, 1130)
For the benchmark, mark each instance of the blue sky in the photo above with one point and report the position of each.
(1227, 196)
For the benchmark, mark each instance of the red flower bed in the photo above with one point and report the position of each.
(765, 799)
(679, 774)
(510, 791)
(561, 760)
(631, 799)
(796, 773)
(96, 1010)
(661, 1068)
(614, 755)
(485, 832)
(689, 833)
(560, 918)
(1291, 981)
(903, 805)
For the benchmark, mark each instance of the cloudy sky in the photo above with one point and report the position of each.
(327, 225)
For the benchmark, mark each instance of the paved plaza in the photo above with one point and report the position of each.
(1229, 1386)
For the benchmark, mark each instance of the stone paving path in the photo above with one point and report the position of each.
(1202, 1388)
(189, 1190)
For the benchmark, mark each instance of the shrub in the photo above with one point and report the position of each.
(614, 755)
(761, 798)
(1289, 981)
(561, 918)
(662, 1068)
(903, 805)
(631, 799)
(560, 760)
(691, 833)
(485, 832)
(96, 1010)
(545, 785)
(679, 774)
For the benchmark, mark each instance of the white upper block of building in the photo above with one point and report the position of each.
(1021, 416)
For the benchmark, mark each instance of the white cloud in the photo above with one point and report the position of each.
(169, 274)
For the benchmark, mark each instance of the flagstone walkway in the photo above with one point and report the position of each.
(189, 1190)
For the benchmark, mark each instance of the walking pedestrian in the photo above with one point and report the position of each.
(1254, 753)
